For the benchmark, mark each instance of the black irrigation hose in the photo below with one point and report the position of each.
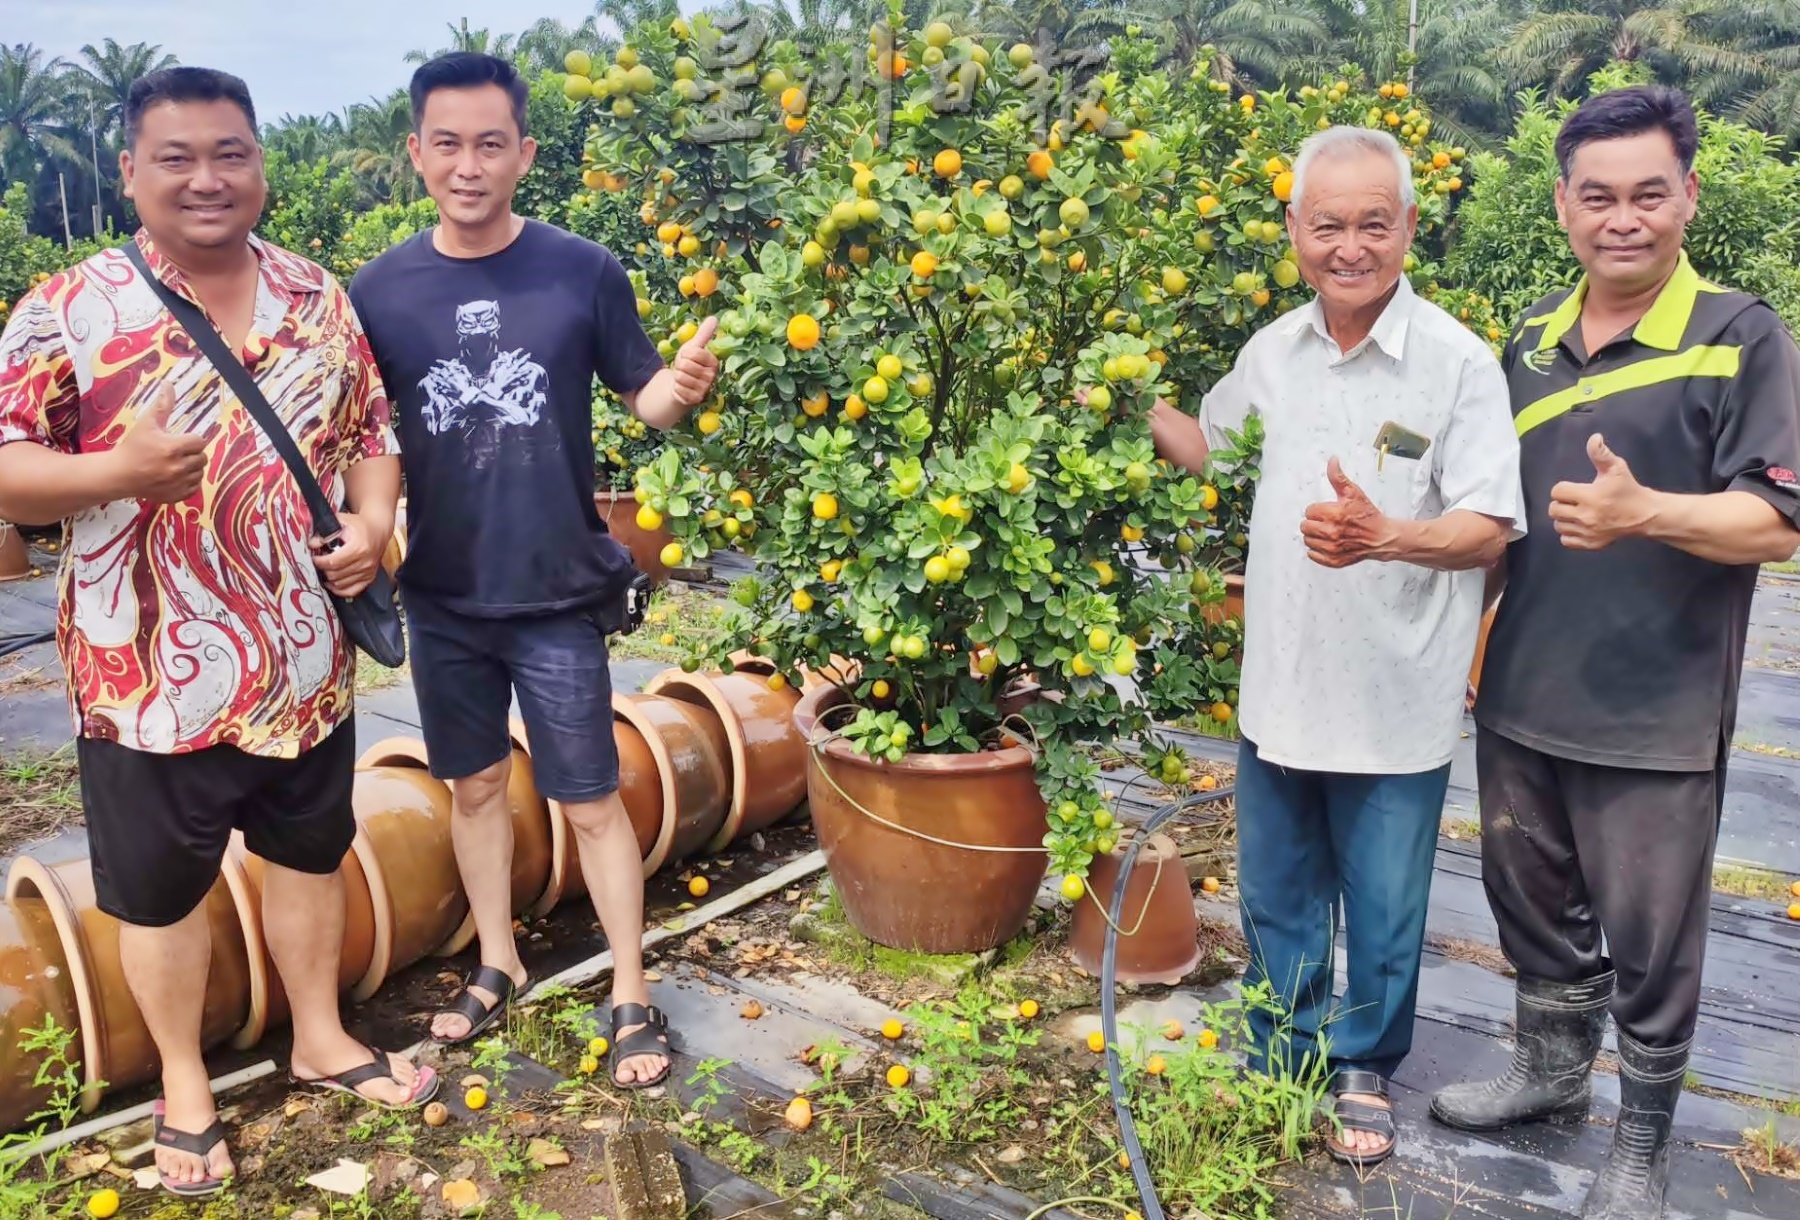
(1109, 1017)
(10, 644)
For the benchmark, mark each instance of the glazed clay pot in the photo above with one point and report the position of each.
(244, 871)
(691, 753)
(911, 893)
(1159, 935)
(35, 986)
(403, 841)
(766, 752)
(649, 797)
(15, 558)
(619, 510)
(1487, 625)
(116, 1050)
(395, 554)
(1233, 605)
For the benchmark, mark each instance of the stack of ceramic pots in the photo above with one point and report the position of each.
(704, 760)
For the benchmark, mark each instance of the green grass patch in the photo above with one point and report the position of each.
(680, 623)
(372, 675)
(1748, 881)
(40, 794)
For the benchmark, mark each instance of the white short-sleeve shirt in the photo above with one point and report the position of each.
(1363, 669)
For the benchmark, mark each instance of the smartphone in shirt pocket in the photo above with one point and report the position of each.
(1403, 470)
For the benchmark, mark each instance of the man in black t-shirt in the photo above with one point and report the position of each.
(489, 331)
(1659, 430)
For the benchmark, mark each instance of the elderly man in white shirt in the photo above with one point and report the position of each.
(1390, 480)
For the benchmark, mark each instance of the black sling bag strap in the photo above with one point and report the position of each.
(371, 618)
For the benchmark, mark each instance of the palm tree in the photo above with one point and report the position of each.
(375, 132)
(627, 15)
(1763, 87)
(462, 38)
(808, 22)
(547, 42)
(1061, 24)
(107, 75)
(34, 127)
(1566, 41)
(1251, 39)
(306, 138)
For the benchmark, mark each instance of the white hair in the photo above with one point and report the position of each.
(1335, 143)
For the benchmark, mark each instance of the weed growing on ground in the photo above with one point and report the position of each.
(496, 1153)
(971, 1065)
(1215, 1133)
(27, 1182)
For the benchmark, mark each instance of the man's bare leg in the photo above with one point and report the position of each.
(615, 879)
(481, 828)
(166, 971)
(303, 921)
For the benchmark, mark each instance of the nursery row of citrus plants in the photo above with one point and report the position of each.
(944, 313)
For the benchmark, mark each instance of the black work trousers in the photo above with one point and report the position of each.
(1570, 850)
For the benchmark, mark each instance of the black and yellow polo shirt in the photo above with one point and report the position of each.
(1630, 656)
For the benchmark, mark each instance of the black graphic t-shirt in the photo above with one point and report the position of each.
(490, 363)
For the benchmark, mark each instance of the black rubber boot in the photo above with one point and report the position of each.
(1636, 1174)
(1559, 1030)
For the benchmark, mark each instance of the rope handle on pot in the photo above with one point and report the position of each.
(1088, 893)
(818, 744)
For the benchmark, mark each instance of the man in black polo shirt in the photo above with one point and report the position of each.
(1658, 473)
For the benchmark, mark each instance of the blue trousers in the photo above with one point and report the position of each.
(1308, 840)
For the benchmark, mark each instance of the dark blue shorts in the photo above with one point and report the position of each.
(465, 670)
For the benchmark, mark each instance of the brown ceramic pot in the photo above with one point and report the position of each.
(1481, 641)
(268, 999)
(409, 752)
(15, 557)
(1159, 935)
(395, 554)
(908, 892)
(619, 510)
(691, 752)
(116, 1050)
(766, 752)
(403, 841)
(1233, 605)
(647, 792)
(35, 986)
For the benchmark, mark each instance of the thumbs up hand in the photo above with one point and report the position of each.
(156, 464)
(1346, 530)
(695, 368)
(1593, 516)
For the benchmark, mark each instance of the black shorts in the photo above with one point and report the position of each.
(465, 671)
(158, 824)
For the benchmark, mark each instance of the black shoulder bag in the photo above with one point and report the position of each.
(370, 618)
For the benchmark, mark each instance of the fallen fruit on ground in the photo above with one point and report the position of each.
(699, 887)
(1028, 1009)
(898, 1075)
(589, 1065)
(1209, 783)
(1156, 1065)
(436, 1114)
(1210, 885)
(892, 1029)
(461, 1194)
(598, 1046)
(799, 1114)
(1208, 1039)
(476, 1098)
(1794, 910)
(1172, 1030)
(103, 1202)
(1096, 1041)
(751, 1011)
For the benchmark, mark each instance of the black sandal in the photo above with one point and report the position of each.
(351, 1080)
(480, 1016)
(652, 1039)
(200, 1145)
(1361, 1116)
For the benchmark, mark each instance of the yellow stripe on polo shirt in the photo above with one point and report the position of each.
(1698, 361)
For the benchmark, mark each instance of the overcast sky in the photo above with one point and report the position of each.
(298, 56)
